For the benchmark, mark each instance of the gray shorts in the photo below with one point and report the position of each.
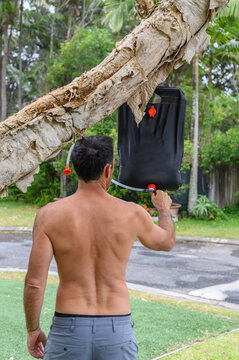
(91, 338)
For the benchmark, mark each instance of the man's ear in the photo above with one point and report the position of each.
(107, 170)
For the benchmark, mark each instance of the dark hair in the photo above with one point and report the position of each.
(90, 155)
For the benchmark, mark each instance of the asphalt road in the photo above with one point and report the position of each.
(208, 271)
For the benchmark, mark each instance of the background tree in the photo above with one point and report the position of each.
(20, 57)
(193, 184)
(8, 10)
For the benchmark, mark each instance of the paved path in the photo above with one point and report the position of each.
(202, 272)
(191, 271)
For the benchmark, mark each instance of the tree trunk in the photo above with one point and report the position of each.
(193, 187)
(143, 59)
(69, 30)
(82, 14)
(4, 72)
(20, 59)
(62, 180)
(0, 65)
(52, 33)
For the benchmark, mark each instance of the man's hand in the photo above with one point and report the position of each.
(35, 340)
(161, 200)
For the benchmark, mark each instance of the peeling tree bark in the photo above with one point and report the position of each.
(144, 7)
(171, 34)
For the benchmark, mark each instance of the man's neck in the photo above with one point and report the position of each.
(98, 186)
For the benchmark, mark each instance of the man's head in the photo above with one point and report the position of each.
(93, 157)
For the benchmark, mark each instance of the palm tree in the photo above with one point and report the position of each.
(224, 45)
(117, 11)
(231, 10)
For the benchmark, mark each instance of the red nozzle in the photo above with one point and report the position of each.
(152, 111)
(67, 170)
(151, 187)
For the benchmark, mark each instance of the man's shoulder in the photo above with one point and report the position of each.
(46, 212)
(46, 208)
(129, 205)
(53, 206)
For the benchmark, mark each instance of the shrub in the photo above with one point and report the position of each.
(206, 209)
(231, 210)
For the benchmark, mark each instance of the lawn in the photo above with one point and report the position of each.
(221, 348)
(161, 324)
(228, 229)
(16, 213)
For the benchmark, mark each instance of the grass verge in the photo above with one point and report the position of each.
(215, 229)
(17, 213)
(161, 324)
(224, 347)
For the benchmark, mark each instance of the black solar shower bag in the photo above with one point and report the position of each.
(152, 153)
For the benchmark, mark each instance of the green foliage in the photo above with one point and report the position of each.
(86, 50)
(206, 209)
(45, 187)
(187, 156)
(231, 10)
(231, 210)
(184, 214)
(117, 13)
(222, 149)
(219, 111)
(7, 10)
(224, 44)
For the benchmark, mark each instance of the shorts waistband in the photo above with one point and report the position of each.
(57, 314)
(89, 320)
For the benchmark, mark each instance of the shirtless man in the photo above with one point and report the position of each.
(91, 234)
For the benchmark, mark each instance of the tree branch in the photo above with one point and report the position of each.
(144, 7)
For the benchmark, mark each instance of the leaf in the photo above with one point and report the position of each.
(9, 6)
(231, 10)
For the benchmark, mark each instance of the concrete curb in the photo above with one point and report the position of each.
(15, 229)
(207, 240)
(179, 239)
(181, 296)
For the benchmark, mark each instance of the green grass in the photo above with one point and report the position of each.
(220, 348)
(159, 327)
(216, 229)
(17, 213)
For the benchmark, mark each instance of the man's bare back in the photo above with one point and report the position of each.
(92, 235)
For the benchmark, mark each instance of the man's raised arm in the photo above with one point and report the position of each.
(35, 284)
(162, 237)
